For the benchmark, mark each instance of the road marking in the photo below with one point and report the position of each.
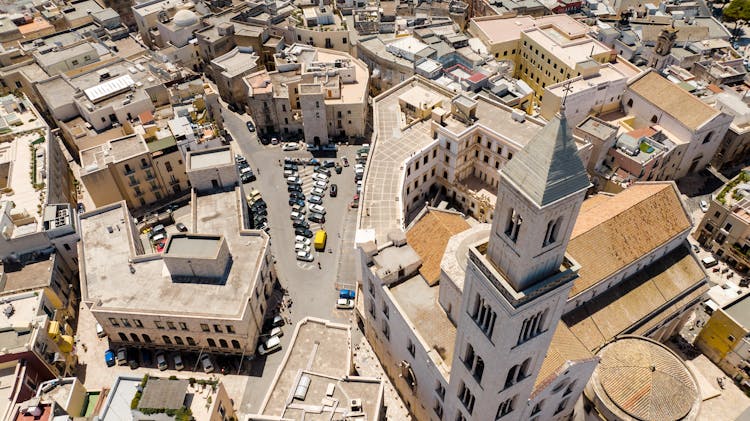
(305, 265)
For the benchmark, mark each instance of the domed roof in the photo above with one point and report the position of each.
(646, 380)
(185, 18)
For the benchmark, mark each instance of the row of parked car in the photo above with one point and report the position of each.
(135, 358)
(246, 173)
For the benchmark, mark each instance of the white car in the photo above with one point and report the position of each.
(290, 173)
(345, 304)
(317, 191)
(704, 206)
(298, 247)
(303, 240)
(208, 366)
(321, 184)
(296, 215)
(317, 208)
(320, 177)
(178, 365)
(299, 209)
(290, 146)
(271, 344)
(304, 256)
(161, 361)
(293, 180)
(315, 199)
(276, 332)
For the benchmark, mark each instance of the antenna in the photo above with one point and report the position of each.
(566, 88)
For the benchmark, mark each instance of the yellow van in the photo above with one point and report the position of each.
(320, 240)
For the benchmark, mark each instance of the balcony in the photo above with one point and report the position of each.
(129, 171)
(134, 182)
(150, 176)
(174, 181)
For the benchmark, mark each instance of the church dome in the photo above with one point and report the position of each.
(185, 18)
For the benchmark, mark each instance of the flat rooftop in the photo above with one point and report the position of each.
(108, 244)
(420, 303)
(740, 311)
(236, 62)
(193, 246)
(322, 351)
(115, 150)
(570, 52)
(499, 29)
(210, 158)
(117, 406)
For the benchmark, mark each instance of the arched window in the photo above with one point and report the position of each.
(235, 344)
(178, 340)
(146, 338)
(630, 102)
(190, 341)
(510, 380)
(479, 369)
(135, 337)
(211, 343)
(166, 340)
(123, 337)
(223, 343)
(524, 371)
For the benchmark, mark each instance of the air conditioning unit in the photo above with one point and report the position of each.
(355, 405)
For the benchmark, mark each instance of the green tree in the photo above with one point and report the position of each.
(738, 12)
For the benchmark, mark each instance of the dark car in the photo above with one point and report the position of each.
(296, 194)
(292, 167)
(338, 169)
(259, 204)
(260, 211)
(181, 227)
(317, 217)
(133, 358)
(81, 208)
(334, 190)
(293, 187)
(328, 164)
(300, 223)
(303, 232)
(250, 126)
(294, 201)
(323, 170)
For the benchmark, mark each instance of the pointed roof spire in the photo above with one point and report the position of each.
(549, 167)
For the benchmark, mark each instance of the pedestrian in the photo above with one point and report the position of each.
(319, 267)
(258, 171)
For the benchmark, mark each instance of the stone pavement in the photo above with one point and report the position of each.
(367, 365)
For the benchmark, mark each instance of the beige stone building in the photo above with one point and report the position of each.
(132, 170)
(230, 69)
(317, 93)
(205, 292)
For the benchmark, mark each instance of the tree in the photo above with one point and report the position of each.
(738, 12)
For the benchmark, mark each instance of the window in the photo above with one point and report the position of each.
(569, 389)
(440, 390)
(223, 343)
(386, 330)
(205, 328)
(731, 338)
(168, 166)
(171, 326)
(236, 344)
(708, 137)
(728, 227)
(217, 329)
(114, 322)
(717, 214)
(505, 408)
(532, 326)
(537, 408)
(230, 329)
(137, 323)
(466, 397)
(125, 322)
(135, 337)
(550, 237)
(411, 348)
(158, 324)
(146, 338)
(183, 326)
(483, 315)
(438, 408)
(211, 343)
(513, 225)
(166, 340)
(123, 337)
(178, 340)
(190, 341)
(562, 406)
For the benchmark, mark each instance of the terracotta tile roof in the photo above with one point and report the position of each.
(565, 346)
(652, 294)
(609, 232)
(675, 101)
(429, 237)
(643, 131)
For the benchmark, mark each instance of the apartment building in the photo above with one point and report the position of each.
(229, 71)
(546, 50)
(320, 25)
(433, 299)
(316, 93)
(205, 292)
(130, 169)
(724, 338)
(725, 227)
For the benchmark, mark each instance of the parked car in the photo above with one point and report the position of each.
(704, 206)
(274, 141)
(317, 217)
(305, 232)
(330, 147)
(208, 366)
(338, 169)
(321, 184)
(347, 293)
(250, 126)
(345, 161)
(328, 164)
(293, 180)
(298, 247)
(315, 199)
(290, 146)
(318, 191)
(109, 358)
(276, 332)
(133, 358)
(239, 158)
(161, 361)
(122, 356)
(291, 173)
(300, 223)
(303, 240)
(290, 166)
(271, 344)
(181, 227)
(296, 195)
(344, 304)
(100, 331)
(323, 170)
(320, 177)
(277, 321)
(299, 208)
(293, 187)
(295, 215)
(334, 190)
(304, 256)
(81, 208)
(295, 201)
(312, 147)
(317, 208)
(178, 364)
